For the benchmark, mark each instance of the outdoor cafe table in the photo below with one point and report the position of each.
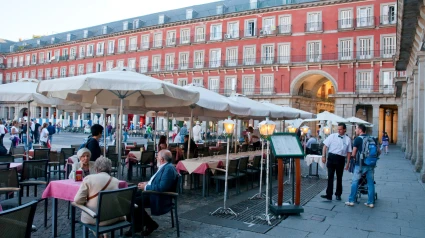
(64, 190)
(18, 166)
(309, 159)
(201, 165)
(132, 158)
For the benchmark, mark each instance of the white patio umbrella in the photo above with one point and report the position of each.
(25, 91)
(119, 87)
(356, 120)
(282, 112)
(327, 116)
(303, 114)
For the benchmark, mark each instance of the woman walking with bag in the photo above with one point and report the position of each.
(14, 134)
(385, 142)
(44, 136)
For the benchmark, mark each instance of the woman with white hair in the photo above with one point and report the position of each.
(84, 164)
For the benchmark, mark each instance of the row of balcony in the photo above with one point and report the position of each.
(376, 89)
(365, 22)
(201, 63)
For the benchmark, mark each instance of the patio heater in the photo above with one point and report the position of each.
(266, 130)
(229, 124)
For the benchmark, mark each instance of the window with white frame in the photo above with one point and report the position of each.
(20, 75)
(171, 38)
(144, 64)
(100, 47)
(41, 58)
(8, 78)
(125, 26)
(388, 46)
(216, 32)
(81, 52)
(219, 9)
(387, 81)
(34, 59)
(27, 59)
(215, 58)
(121, 45)
(48, 74)
(136, 23)
(156, 63)
(90, 50)
(120, 63)
(364, 82)
(198, 81)
(169, 62)
(40, 74)
(99, 66)
(285, 24)
(169, 81)
(33, 75)
(267, 54)
(189, 14)
(57, 55)
(145, 42)
(248, 84)
(109, 65)
(365, 47)
(13, 77)
(229, 84)
(314, 50)
(182, 82)
(111, 47)
(89, 68)
(232, 30)
(250, 27)
(269, 26)
(388, 14)
(86, 33)
(71, 70)
(63, 72)
(104, 30)
(267, 85)
(199, 34)
(15, 62)
(185, 36)
(133, 43)
(314, 21)
(80, 69)
(21, 61)
(232, 56)
(9, 62)
(345, 49)
(161, 19)
(55, 73)
(253, 4)
(48, 56)
(284, 53)
(249, 55)
(65, 53)
(199, 59)
(214, 84)
(72, 52)
(345, 18)
(157, 39)
(132, 64)
(184, 60)
(365, 16)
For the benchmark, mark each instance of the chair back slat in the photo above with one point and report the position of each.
(256, 163)
(116, 203)
(7, 158)
(4, 166)
(111, 150)
(41, 154)
(34, 169)
(9, 179)
(17, 222)
(66, 153)
(243, 163)
(233, 166)
(114, 160)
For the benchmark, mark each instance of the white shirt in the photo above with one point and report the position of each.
(177, 139)
(197, 132)
(14, 131)
(2, 131)
(338, 145)
(256, 132)
(175, 129)
(32, 126)
(44, 136)
(159, 168)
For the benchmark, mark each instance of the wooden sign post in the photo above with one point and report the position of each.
(288, 146)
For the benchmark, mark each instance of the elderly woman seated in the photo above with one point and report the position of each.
(85, 164)
(89, 190)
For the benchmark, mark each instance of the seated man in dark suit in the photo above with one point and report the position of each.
(164, 180)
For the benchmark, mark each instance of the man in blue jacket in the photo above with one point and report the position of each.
(52, 130)
(164, 180)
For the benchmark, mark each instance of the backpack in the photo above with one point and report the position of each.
(369, 153)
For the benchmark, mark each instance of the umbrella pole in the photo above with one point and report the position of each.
(120, 128)
(104, 132)
(236, 136)
(28, 129)
(190, 132)
(168, 129)
(156, 129)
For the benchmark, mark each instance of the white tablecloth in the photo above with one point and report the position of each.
(309, 159)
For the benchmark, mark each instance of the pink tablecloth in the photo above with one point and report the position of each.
(67, 189)
(18, 166)
(198, 168)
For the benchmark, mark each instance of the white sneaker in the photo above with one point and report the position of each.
(349, 204)
(369, 205)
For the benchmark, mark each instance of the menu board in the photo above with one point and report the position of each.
(286, 145)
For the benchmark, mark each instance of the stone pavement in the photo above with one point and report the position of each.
(399, 210)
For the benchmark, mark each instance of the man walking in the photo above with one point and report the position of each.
(365, 169)
(51, 129)
(183, 132)
(37, 132)
(339, 147)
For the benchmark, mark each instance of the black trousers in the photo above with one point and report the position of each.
(256, 145)
(336, 165)
(139, 213)
(1, 139)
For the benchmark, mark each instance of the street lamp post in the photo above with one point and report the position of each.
(228, 128)
(266, 130)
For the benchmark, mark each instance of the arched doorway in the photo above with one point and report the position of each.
(312, 91)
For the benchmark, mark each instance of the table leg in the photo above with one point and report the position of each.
(204, 178)
(279, 182)
(55, 217)
(72, 222)
(130, 171)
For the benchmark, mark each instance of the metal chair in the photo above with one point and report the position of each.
(243, 167)
(17, 222)
(254, 169)
(41, 154)
(76, 147)
(315, 149)
(111, 204)
(115, 163)
(9, 184)
(146, 161)
(7, 158)
(18, 152)
(233, 174)
(4, 166)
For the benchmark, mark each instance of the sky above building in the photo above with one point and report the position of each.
(45, 17)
